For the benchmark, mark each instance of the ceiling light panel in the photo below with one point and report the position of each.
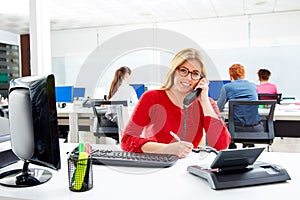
(287, 5)
(259, 6)
(226, 8)
(198, 9)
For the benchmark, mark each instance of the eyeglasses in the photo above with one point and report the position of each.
(195, 74)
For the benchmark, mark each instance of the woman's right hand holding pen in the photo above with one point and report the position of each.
(181, 148)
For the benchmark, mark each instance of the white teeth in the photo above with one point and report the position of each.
(186, 84)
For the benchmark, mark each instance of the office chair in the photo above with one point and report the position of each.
(4, 110)
(267, 113)
(276, 97)
(104, 126)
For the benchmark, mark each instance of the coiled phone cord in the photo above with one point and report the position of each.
(184, 121)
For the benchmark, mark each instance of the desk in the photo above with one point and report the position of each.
(169, 183)
(287, 123)
(75, 116)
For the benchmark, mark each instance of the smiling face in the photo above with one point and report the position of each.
(185, 84)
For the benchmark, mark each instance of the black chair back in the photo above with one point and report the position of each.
(105, 127)
(276, 97)
(266, 110)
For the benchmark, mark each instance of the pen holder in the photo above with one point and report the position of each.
(80, 174)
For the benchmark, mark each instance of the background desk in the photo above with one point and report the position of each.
(287, 123)
(75, 116)
(169, 183)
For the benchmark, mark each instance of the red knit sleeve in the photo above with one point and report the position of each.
(132, 140)
(216, 130)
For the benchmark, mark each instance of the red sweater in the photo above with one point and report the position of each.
(155, 116)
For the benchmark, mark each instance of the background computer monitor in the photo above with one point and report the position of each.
(78, 92)
(64, 94)
(215, 88)
(33, 130)
(139, 89)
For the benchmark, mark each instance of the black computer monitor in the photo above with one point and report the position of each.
(215, 88)
(33, 130)
(139, 89)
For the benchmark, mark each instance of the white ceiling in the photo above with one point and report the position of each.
(74, 14)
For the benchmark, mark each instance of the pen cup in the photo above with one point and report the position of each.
(80, 174)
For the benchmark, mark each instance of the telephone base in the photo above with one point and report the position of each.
(256, 174)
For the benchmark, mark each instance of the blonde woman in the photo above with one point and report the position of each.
(161, 111)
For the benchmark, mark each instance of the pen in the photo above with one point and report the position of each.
(175, 136)
(87, 149)
(81, 147)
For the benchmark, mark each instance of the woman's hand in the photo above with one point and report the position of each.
(181, 149)
(203, 84)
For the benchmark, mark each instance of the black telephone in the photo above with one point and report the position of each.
(191, 97)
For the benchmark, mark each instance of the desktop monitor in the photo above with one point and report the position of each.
(33, 130)
(78, 92)
(64, 94)
(139, 89)
(215, 88)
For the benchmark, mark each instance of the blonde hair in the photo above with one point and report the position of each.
(237, 71)
(117, 81)
(178, 59)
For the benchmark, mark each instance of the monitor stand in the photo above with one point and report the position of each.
(256, 174)
(25, 177)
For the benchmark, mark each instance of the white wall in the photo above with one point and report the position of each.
(271, 41)
(9, 38)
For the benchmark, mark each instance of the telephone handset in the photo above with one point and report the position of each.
(193, 95)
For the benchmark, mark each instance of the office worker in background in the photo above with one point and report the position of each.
(265, 87)
(241, 89)
(160, 111)
(120, 90)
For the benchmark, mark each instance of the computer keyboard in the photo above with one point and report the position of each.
(132, 159)
(7, 158)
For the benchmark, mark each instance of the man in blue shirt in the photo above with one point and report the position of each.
(245, 118)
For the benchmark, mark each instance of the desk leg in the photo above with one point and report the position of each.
(73, 128)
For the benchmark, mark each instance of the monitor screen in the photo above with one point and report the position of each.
(139, 89)
(33, 130)
(215, 88)
(78, 92)
(64, 94)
